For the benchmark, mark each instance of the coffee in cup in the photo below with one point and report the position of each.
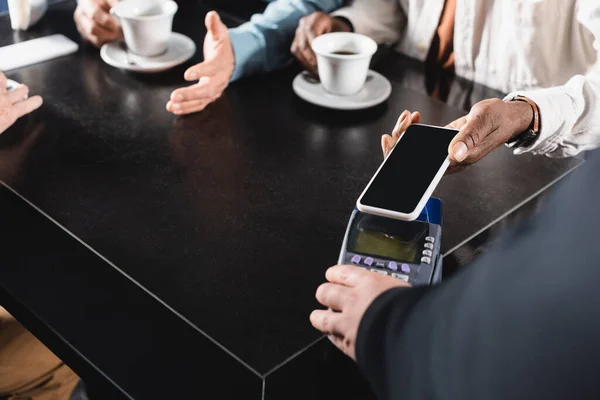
(146, 24)
(343, 60)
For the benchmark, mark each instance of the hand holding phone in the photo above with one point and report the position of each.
(408, 176)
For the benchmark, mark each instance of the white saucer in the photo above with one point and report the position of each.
(377, 89)
(181, 48)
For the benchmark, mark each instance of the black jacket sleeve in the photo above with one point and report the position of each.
(523, 322)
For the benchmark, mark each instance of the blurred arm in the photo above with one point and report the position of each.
(263, 44)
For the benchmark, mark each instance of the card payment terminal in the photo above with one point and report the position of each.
(409, 251)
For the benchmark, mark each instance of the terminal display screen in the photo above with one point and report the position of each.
(396, 240)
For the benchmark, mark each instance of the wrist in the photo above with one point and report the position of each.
(522, 115)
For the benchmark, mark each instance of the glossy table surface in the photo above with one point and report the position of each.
(165, 256)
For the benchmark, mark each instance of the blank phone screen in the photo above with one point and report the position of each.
(408, 171)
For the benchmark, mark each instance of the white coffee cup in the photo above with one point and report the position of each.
(146, 25)
(343, 74)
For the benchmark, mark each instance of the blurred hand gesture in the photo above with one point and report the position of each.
(213, 74)
(15, 104)
(94, 22)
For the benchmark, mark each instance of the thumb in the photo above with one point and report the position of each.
(197, 71)
(215, 26)
(387, 142)
(467, 138)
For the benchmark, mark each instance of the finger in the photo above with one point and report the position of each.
(333, 295)
(316, 29)
(3, 83)
(189, 107)
(346, 275)
(302, 53)
(456, 124)
(387, 142)
(416, 117)
(215, 26)
(311, 60)
(402, 124)
(196, 72)
(198, 91)
(193, 109)
(94, 33)
(327, 322)
(304, 62)
(19, 94)
(25, 107)
(337, 341)
(309, 55)
(99, 14)
(467, 138)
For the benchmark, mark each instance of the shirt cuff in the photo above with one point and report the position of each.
(382, 323)
(248, 49)
(552, 104)
(353, 16)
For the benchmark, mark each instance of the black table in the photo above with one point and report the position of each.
(177, 257)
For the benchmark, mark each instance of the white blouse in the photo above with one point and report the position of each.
(547, 50)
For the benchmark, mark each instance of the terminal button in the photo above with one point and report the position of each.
(429, 246)
(356, 259)
(430, 239)
(405, 268)
(379, 271)
(380, 264)
(369, 261)
(426, 260)
(427, 253)
(401, 277)
(393, 266)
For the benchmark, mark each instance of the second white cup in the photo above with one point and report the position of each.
(146, 25)
(343, 60)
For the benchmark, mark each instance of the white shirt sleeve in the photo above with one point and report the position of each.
(381, 20)
(570, 114)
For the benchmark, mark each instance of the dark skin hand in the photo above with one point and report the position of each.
(310, 27)
(489, 124)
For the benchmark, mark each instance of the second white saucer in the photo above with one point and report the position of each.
(181, 48)
(377, 89)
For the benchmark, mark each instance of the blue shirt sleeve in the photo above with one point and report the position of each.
(263, 44)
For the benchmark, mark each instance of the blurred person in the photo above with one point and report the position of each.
(28, 370)
(522, 322)
(258, 46)
(544, 53)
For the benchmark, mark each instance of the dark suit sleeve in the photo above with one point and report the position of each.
(523, 322)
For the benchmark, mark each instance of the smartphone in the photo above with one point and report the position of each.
(34, 51)
(408, 176)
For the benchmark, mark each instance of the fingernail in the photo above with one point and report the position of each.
(192, 75)
(459, 151)
(176, 106)
(177, 98)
